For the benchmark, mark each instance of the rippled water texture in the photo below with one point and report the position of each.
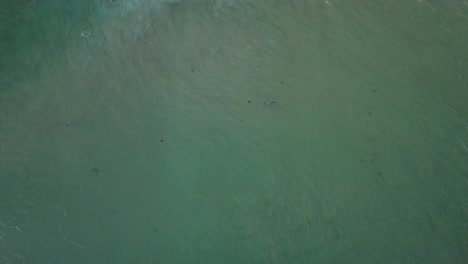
(222, 131)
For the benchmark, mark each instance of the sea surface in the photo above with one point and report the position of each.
(233, 131)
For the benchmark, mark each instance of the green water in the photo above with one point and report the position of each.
(364, 158)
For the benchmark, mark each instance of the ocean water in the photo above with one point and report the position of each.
(137, 131)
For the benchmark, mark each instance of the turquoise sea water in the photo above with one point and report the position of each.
(363, 159)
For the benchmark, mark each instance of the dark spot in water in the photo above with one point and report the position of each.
(162, 141)
(281, 82)
(375, 154)
(374, 90)
(379, 180)
(248, 101)
(362, 160)
(67, 124)
(370, 113)
(95, 170)
(372, 160)
(379, 173)
(192, 70)
(155, 231)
